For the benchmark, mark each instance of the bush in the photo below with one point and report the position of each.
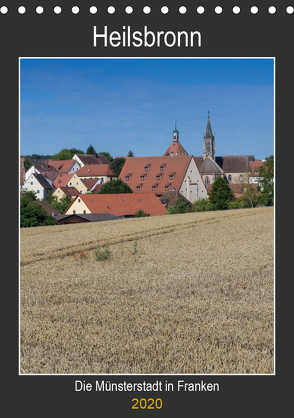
(32, 213)
(201, 205)
(115, 186)
(181, 206)
(140, 214)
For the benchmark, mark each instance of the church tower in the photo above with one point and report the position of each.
(208, 141)
(176, 147)
(176, 134)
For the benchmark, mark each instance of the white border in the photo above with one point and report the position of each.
(151, 374)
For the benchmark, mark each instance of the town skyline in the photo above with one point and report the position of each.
(118, 105)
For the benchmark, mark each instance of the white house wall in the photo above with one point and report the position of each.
(192, 187)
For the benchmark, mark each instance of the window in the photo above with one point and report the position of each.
(81, 191)
(31, 183)
(147, 166)
(230, 177)
(127, 178)
(241, 177)
(74, 212)
(38, 191)
(154, 186)
(77, 183)
(162, 167)
(171, 155)
(70, 184)
(84, 211)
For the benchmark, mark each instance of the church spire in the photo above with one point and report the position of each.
(208, 127)
(176, 133)
(208, 141)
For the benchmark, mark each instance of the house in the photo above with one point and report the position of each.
(70, 180)
(22, 172)
(123, 205)
(93, 184)
(39, 184)
(160, 174)
(254, 170)
(85, 217)
(50, 173)
(64, 166)
(89, 159)
(100, 172)
(50, 211)
(60, 192)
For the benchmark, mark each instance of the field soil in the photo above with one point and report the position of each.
(190, 293)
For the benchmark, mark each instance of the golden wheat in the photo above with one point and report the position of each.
(197, 297)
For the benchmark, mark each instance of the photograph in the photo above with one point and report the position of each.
(147, 217)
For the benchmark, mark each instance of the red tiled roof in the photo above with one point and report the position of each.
(254, 166)
(136, 166)
(176, 149)
(62, 180)
(122, 204)
(62, 165)
(93, 170)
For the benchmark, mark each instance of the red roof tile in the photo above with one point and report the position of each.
(136, 166)
(176, 149)
(122, 204)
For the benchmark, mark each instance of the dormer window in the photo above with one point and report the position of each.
(172, 154)
(158, 176)
(162, 167)
(143, 176)
(139, 186)
(128, 176)
(167, 186)
(154, 186)
(147, 166)
(172, 175)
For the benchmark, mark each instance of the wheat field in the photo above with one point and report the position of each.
(197, 297)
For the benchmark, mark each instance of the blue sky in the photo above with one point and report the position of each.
(118, 105)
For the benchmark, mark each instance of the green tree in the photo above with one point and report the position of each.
(130, 154)
(32, 213)
(107, 155)
(220, 194)
(91, 150)
(117, 165)
(60, 205)
(181, 206)
(66, 154)
(249, 197)
(27, 162)
(115, 186)
(266, 181)
(201, 205)
(140, 214)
